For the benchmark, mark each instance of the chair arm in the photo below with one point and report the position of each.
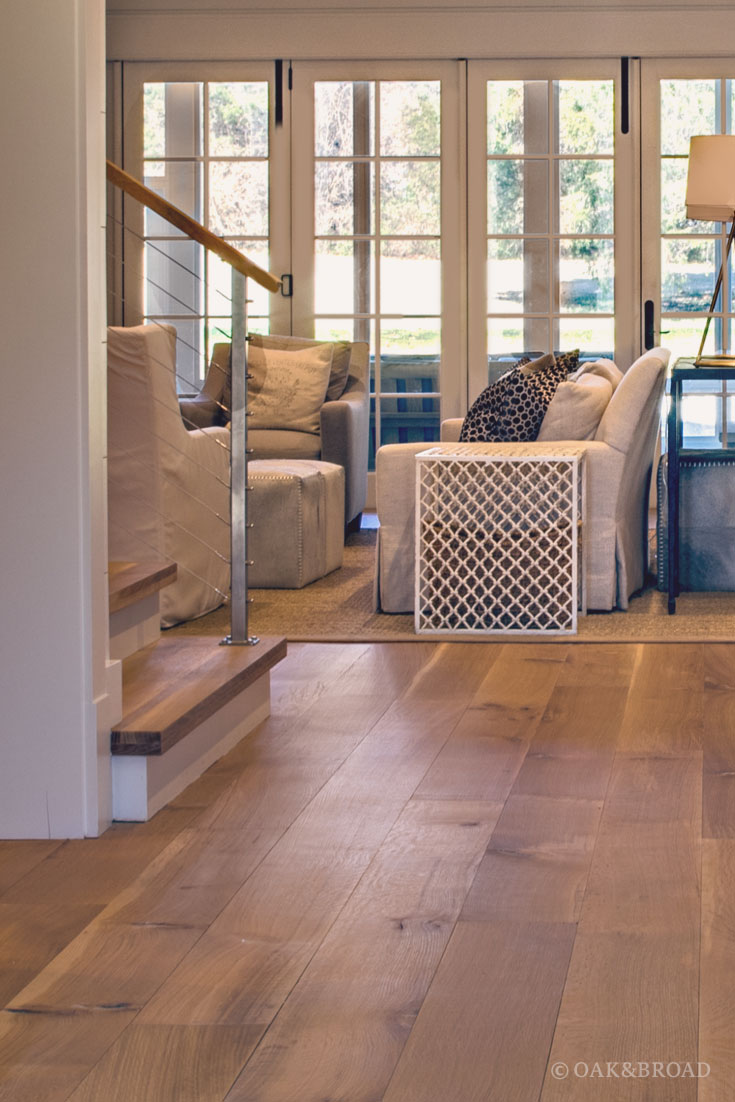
(450, 430)
(199, 412)
(344, 440)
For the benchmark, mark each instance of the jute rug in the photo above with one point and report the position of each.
(339, 608)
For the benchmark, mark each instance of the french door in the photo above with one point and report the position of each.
(377, 216)
(681, 258)
(204, 137)
(552, 213)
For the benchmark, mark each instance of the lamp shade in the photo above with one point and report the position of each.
(711, 178)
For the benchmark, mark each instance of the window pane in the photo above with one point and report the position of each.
(173, 277)
(517, 116)
(219, 281)
(336, 187)
(179, 182)
(682, 336)
(518, 276)
(191, 365)
(154, 120)
(344, 329)
(344, 113)
(687, 274)
(673, 196)
(586, 276)
(687, 107)
(410, 277)
(586, 118)
(515, 337)
(238, 120)
(412, 337)
(586, 197)
(410, 197)
(592, 336)
(238, 198)
(517, 197)
(344, 275)
(409, 420)
(410, 118)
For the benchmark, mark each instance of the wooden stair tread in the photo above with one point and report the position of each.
(133, 581)
(172, 686)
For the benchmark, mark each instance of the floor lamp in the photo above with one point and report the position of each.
(710, 197)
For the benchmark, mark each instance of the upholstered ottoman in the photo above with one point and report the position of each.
(297, 510)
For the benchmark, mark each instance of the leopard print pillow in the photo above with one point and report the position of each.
(513, 407)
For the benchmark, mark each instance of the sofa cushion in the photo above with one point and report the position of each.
(513, 407)
(606, 369)
(576, 408)
(282, 444)
(341, 353)
(287, 389)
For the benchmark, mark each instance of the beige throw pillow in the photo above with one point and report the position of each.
(341, 353)
(287, 389)
(576, 409)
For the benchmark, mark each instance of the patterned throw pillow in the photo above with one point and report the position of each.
(286, 390)
(513, 407)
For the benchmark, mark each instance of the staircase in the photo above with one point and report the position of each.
(186, 700)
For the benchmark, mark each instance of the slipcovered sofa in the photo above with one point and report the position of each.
(618, 425)
(168, 489)
(341, 434)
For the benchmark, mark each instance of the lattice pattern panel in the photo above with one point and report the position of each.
(497, 543)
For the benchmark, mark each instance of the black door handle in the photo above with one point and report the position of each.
(648, 339)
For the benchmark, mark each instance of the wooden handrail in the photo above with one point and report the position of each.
(191, 227)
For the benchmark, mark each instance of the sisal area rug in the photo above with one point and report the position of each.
(339, 608)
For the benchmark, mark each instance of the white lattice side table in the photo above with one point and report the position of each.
(499, 538)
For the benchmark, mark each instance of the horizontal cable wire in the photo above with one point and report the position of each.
(195, 463)
(171, 260)
(180, 566)
(169, 520)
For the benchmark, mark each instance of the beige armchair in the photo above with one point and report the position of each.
(168, 489)
(344, 420)
(618, 461)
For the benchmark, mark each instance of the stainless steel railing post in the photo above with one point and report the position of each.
(239, 468)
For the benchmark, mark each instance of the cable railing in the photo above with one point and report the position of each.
(242, 269)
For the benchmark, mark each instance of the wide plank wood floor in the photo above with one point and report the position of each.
(438, 873)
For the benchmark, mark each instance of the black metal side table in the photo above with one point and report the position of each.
(681, 372)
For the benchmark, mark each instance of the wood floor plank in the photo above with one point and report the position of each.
(629, 997)
(93, 870)
(573, 746)
(645, 876)
(31, 935)
(537, 861)
(484, 754)
(17, 859)
(717, 994)
(485, 1027)
(44, 1056)
(633, 981)
(599, 664)
(718, 780)
(666, 700)
(170, 1064)
(342, 1029)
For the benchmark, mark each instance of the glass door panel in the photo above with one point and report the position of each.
(681, 258)
(207, 146)
(550, 185)
(375, 190)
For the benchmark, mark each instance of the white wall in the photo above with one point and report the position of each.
(53, 670)
(250, 29)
